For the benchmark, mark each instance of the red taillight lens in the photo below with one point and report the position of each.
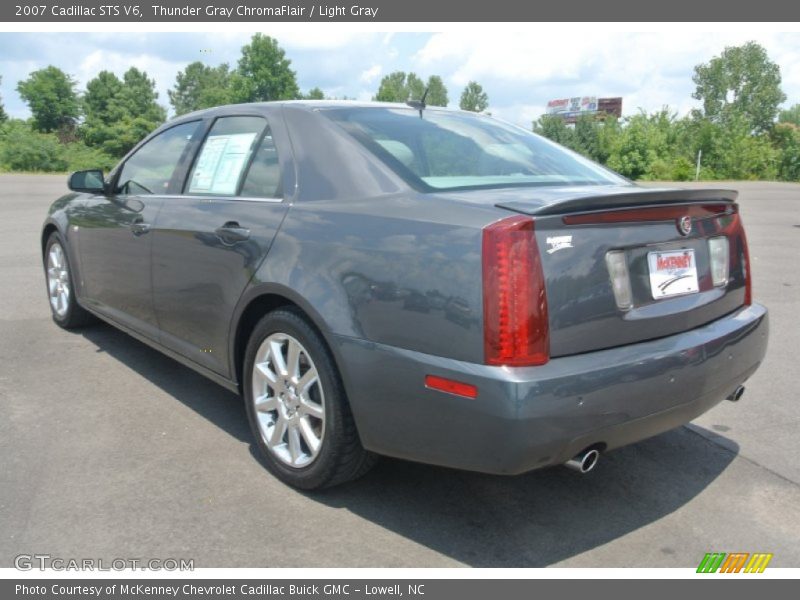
(515, 326)
(740, 254)
(748, 279)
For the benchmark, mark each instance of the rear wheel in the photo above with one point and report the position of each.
(297, 407)
(66, 311)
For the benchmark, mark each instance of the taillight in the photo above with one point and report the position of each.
(748, 280)
(515, 329)
(739, 252)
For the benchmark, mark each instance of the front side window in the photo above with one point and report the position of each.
(150, 169)
(225, 156)
(443, 150)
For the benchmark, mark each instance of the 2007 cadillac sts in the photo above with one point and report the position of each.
(383, 279)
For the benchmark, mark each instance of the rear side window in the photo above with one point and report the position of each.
(225, 156)
(263, 179)
(150, 169)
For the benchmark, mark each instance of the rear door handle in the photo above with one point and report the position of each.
(231, 232)
(139, 228)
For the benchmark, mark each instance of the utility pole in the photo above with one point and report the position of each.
(697, 170)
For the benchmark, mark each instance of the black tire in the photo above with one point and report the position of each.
(75, 316)
(340, 457)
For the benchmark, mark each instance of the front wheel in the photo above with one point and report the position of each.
(66, 311)
(297, 406)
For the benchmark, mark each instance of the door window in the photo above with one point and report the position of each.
(225, 156)
(151, 168)
(263, 179)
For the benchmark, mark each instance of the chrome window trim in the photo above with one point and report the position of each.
(209, 198)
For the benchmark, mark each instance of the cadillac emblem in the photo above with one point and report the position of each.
(685, 225)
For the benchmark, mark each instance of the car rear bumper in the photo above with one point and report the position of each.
(532, 417)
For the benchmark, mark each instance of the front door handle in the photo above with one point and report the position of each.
(138, 228)
(231, 232)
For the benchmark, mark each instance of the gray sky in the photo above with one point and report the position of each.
(520, 69)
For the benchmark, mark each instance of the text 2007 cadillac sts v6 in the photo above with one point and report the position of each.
(419, 283)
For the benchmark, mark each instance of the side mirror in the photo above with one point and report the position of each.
(90, 182)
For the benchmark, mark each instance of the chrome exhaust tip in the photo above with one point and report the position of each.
(737, 394)
(584, 461)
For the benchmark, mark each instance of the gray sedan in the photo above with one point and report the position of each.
(439, 286)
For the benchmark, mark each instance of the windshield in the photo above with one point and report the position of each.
(448, 150)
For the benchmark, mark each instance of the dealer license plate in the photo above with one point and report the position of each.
(672, 273)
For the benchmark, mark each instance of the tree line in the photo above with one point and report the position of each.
(71, 130)
(738, 133)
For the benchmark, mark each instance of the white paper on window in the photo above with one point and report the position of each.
(220, 163)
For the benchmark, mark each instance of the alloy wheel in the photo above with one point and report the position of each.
(58, 280)
(289, 400)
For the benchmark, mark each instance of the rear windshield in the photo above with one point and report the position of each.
(446, 150)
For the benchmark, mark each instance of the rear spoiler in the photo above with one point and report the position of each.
(588, 201)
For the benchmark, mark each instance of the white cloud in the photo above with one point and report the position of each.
(520, 66)
(523, 68)
(321, 39)
(371, 74)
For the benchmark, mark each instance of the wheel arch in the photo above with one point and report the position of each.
(48, 230)
(262, 300)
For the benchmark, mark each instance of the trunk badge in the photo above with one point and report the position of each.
(685, 225)
(559, 242)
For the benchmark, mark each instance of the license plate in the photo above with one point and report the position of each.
(672, 273)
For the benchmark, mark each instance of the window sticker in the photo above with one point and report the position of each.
(221, 163)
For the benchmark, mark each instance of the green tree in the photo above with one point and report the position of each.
(790, 115)
(743, 82)
(473, 98)
(787, 141)
(401, 87)
(119, 113)
(738, 154)
(51, 97)
(553, 128)
(437, 92)
(393, 88)
(24, 149)
(264, 73)
(101, 108)
(3, 115)
(315, 94)
(635, 150)
(415, 87)
(200, 86)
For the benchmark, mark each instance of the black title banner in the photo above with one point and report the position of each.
(383, 589)
(206, 11)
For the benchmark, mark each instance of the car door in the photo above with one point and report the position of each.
(209, 241)
(114, 230)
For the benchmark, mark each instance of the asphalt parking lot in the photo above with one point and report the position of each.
(110, 450)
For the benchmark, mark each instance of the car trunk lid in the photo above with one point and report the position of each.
(593, 239)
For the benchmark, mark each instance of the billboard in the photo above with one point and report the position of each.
(572, 107)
